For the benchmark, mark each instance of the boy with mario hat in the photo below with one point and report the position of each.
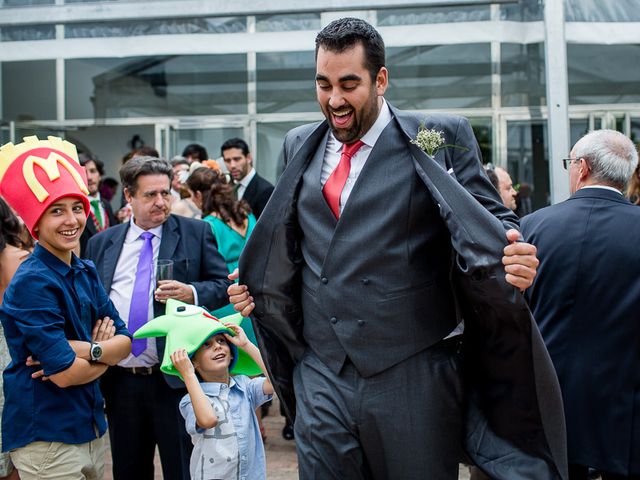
(61, 328)
(219, 410)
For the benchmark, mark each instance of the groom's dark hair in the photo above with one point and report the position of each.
(346, 33)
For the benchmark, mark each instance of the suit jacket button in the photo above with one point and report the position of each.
(365, 281)
(333, 320)
(325, 280)
(361, 323)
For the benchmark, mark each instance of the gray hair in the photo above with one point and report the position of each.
(612, 156)
(139, 166)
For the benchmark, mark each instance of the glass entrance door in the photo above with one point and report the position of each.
(528, 159)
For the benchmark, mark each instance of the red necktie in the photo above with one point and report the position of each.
(335, 183)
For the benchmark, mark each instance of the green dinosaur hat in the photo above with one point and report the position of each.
(189, 326)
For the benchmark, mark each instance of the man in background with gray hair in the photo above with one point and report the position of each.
(586, 300)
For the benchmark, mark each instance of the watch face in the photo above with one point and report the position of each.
(96, 352)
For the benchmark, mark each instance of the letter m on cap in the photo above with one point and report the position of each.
(51, 166)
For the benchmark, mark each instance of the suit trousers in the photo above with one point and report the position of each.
(142, 412)
(405, 422)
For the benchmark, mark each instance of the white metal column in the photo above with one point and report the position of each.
(555, 47)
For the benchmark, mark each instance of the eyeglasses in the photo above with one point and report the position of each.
(567, 161)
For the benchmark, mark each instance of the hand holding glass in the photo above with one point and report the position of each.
(164, 270)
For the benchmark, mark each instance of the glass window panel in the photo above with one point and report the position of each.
(29, 90)
(5, 133)
(522, 74)
(210, 138)
(156, 86)
(171, 26)
(599, 11)
(288, 22)
(440, 76)
(285, 82)
(482, 129)
(23, 33)
(25, 3)
(522, 11)
(419, 16)
(269, 161)
(634, 134)
(577, 129)
(528, 160)
(603, 73)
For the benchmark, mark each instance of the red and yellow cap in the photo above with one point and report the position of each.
(36, 173)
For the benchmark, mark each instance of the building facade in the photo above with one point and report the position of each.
(109, 75)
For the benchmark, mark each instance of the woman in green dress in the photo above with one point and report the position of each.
(231, 220)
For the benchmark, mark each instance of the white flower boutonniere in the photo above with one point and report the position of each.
(430, 140)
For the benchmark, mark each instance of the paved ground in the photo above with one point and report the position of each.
(282, 463)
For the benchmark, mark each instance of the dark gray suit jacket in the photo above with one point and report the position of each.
(196, 261)
(515, 423)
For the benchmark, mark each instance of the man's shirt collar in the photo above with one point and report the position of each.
(53, 262)
(247, 178)
(604, 187)
(135, 231)
(214, 388)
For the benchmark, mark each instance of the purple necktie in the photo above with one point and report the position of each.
(139, 310)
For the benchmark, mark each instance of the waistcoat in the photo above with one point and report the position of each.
(375, 283)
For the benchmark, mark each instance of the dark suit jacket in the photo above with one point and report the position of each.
(586, 300)
(516, 428)
(196, 261)
(90, 229)
(257, 194)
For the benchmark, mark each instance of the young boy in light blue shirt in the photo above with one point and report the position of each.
(219, 408)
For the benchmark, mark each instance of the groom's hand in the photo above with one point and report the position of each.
(239, 296)
(520, 261)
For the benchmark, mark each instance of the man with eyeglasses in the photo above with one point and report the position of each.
(586, 300)
(141, 402)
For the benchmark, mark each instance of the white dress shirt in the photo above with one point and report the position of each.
(333, 152)
(122, 287)
(604, 187)
(244, 183)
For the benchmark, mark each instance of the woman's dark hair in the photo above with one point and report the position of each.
(633, 190)
(218, 196)
(195, 151)
(12, 231)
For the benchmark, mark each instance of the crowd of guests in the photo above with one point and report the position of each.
(78, 280)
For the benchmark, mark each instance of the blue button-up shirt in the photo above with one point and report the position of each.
(47, 303)
(233, 448)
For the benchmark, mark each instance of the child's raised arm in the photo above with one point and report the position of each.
(240, 340)
(205, 416)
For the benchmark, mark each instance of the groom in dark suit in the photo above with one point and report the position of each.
(142, 403)
(350, 269)
(586, 300)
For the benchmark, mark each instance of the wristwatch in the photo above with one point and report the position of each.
(95, 352)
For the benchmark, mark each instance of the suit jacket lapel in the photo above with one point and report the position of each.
(111, 255)
(170, 238)
(250, 191)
